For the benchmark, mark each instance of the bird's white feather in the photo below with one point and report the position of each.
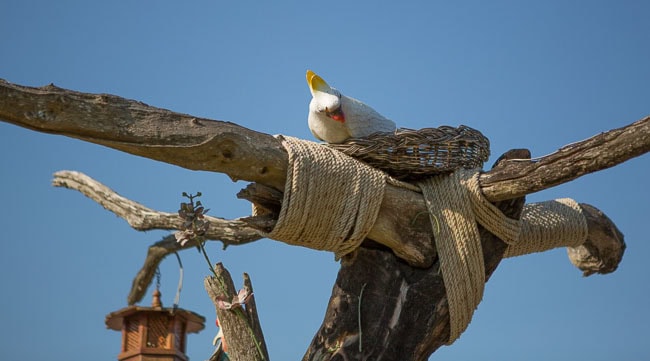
(360, 119)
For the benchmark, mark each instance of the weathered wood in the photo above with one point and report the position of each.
(238, 328)
(404, 311)
(603, 250)
(230, 232)
(410, 238)
(264, 197)
(602, 151)
(203, 144)
(211, 145)
(141, 218)
(253, 316)
(601, 253)
(137, 128)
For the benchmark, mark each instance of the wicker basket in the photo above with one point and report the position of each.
(409, 154)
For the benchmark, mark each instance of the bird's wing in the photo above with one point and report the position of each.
(362, 120)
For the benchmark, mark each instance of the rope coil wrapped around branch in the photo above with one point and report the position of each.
(331, 202)
(456, 207)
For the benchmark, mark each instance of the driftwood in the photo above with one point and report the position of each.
(599, 254)
(402, 308)
(241, 325)
(202, 144)
(387, 279)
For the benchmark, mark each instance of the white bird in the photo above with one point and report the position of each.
(334, 117)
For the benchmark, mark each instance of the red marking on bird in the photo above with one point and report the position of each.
(339, 118)
(337, 115)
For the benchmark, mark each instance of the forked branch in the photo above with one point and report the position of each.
(202, 144)
(415, 297)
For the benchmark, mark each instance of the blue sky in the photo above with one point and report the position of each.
(536, 75)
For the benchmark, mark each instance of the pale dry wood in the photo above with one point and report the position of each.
(141, 218)
(520, 177)
(600, 254)
(230, 232)
(410, 238)
(202, 144)
(603, 250)
(237, 324)
(253, 316)
(137, 128)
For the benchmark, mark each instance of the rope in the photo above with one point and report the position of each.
(487, 214)
(331, 200)
(548, 225)
(456, 205)
(459, 246)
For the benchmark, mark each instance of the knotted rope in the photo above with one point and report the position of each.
(331, 202)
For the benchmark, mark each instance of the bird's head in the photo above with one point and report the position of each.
(325, 99)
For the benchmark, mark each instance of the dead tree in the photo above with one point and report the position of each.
(394, 271)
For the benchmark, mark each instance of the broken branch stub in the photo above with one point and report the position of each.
(240, 327)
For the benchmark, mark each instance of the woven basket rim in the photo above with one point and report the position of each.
(408, 153)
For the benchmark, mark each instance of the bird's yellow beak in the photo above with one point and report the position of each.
(316, 83)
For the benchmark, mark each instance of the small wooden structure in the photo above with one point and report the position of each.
(154, 333)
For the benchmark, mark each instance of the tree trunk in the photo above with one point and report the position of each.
(203, 144)
(389, 300)
(383, 309)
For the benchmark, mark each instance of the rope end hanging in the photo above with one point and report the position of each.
(459, 246)
(331, 202)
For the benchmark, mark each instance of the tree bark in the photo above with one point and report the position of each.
(240, 325)
(202, 144)
(380, 283)
(211, 145)
(601, 252)
(404, 312)
(381, 307)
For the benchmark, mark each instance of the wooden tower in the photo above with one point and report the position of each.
(154, 333)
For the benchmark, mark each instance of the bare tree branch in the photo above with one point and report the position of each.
(601, 253)
(230, 232)
(393, 286)
(602, 151)
(203, 144)
(137, 128)
(141, 218)
(155, 254)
